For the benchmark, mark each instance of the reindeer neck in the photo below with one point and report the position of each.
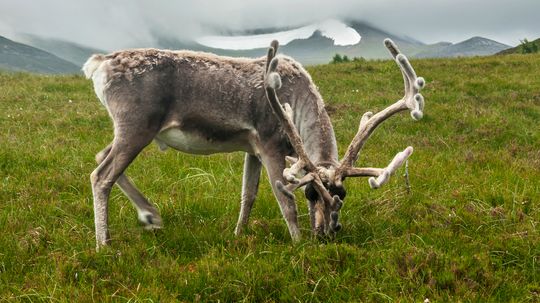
(314, 126)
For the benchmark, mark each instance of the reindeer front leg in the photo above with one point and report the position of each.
(274, 162)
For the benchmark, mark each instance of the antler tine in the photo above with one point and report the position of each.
(290, 188)
(406, 68)
(380, 176)
(394, 51)
(384, 176)
(413, 84)
(412, 100)
(392, 47)
(272, 51)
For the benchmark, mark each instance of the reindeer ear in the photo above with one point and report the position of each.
(272, 77)
(274, 80)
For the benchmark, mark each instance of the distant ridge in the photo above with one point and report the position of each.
(318, 49)
(476, 46)
(52, 56)
(16, 56)
(69, 51)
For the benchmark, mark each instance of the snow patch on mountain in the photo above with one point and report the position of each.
(333, 29)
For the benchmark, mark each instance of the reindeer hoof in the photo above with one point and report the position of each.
(102, 243)
(150, 220)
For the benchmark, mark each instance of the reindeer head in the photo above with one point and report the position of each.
(324, 183)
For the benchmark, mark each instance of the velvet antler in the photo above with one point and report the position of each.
(412, 100)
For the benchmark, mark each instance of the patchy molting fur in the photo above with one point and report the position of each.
(129, 63)
(202, 103)
(308, 105)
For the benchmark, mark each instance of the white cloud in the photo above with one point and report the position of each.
(112, 24)
(333, 29)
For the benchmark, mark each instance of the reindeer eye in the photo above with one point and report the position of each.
(339, 191)
(311, 193)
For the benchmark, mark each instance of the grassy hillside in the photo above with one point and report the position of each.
(468, 231)
(519, 49)
(72, 52)
(16, 56)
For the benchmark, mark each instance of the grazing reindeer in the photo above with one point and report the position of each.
(201, 103)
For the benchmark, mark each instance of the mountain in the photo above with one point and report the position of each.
(476, 46)
(518, 49)
(69, 51)
(371, 45)
(320, 48)
(310, 44)
(315, 49)
(16, 56)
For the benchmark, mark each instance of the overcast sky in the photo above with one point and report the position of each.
(113, 24)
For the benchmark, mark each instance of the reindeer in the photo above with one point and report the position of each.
(201, 103)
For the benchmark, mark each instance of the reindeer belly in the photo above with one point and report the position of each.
(195, 143)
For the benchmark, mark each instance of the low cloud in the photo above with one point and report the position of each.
(128, 23)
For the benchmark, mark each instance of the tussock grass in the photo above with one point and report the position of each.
(468, 231)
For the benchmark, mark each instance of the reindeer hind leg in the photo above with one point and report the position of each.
(123, 150)
(250, 185)
(146, 211)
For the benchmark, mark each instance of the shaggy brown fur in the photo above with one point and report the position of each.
(202, 103)
(138, 61)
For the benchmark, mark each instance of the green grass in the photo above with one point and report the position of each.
(468, 231)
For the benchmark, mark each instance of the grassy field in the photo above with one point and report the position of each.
(469, 230)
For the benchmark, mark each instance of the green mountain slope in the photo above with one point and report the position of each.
(16, 56)
(371, 46)
(69, 51)
(317, 49)
(518, 49)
